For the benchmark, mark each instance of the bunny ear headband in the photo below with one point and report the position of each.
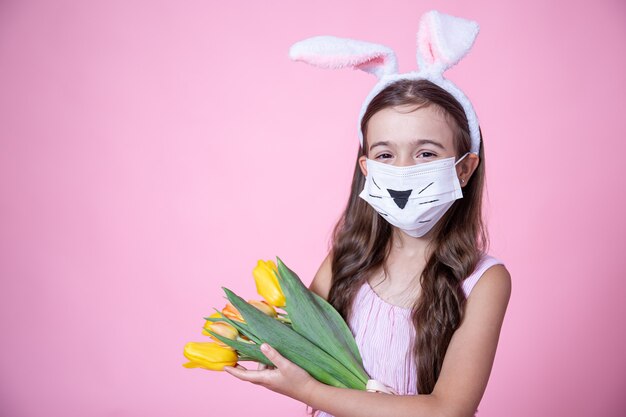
(442, 40)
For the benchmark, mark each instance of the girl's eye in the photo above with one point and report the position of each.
(384, 156)
(427, 154)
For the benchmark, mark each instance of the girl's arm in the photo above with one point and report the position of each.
(461, 384)
(322, 281)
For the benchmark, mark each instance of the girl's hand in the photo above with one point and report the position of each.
(286, 377)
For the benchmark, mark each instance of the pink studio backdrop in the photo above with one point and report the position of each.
(151, 152)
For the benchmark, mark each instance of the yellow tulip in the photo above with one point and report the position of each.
(232, 313)
(265, 277)
(265, 307)
(209, 355)
(215, 315)
(222, 328)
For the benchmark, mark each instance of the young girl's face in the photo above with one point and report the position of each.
(402, 139)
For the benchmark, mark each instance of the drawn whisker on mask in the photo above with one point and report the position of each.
(431, 201)
(375, 183)
(426, 187)
(424, 221)
(375, 196)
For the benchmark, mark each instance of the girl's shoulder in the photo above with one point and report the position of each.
(486, 262)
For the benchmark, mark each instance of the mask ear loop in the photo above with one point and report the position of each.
(461, 158)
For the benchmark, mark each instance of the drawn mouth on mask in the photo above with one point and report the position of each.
(401, 202)
(400, 197)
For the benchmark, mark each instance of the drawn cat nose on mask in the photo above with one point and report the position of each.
(400, 197)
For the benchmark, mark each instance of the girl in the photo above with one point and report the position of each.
(408, 268)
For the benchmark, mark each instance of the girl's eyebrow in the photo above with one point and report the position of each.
(419, 142)
(416, 142)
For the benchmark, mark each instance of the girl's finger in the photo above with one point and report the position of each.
(244, 374)
(261, 366)
(273, 355)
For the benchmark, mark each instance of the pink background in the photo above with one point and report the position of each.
(151, 152)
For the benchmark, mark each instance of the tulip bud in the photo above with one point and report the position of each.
(265, 277)
(264, 307)
(232, 313)
(222, 328)
(209, 356)
(207, 324)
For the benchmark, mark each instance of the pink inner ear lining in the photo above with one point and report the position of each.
(427, 44)
(373, 62)
(424, 42)
(341, 61)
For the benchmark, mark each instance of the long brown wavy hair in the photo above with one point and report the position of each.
(361, 239)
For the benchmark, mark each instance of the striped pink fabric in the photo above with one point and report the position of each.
(384, 334)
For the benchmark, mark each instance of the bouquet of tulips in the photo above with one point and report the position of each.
(309, 331)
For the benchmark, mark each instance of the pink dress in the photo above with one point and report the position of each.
(384, 334)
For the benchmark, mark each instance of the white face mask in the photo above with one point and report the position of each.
(412, 198)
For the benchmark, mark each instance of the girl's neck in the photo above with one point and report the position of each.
(406, 246)
(398, 280)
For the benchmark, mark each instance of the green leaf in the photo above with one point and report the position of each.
(248, 349)
(319, 322)
(295, 347)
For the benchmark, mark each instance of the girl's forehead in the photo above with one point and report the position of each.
(403, 125)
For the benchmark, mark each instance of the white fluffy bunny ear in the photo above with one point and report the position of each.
(443, 39)
(334, 52)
